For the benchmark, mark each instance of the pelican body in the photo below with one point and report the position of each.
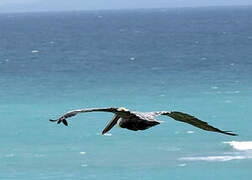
(141, 120)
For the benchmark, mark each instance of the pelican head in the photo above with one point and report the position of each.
(122, 109)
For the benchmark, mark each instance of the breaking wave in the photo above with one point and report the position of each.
(240, 145)
(243, 151)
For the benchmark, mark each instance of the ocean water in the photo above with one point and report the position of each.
(195, 60)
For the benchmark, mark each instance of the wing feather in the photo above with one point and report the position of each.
(183, 117)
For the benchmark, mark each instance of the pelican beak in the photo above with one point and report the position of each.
(111, 124)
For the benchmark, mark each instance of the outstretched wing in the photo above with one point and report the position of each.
(183, 117)
(75, 112)
(119, 113)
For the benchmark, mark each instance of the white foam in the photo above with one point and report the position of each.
(84, 165)
(132, 58)
(35, 51)
(240, 145)
(190, 132)
(107, 134)
(82, 153)
(214, 158)
(232, 92)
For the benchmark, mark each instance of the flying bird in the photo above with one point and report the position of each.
(125, 118)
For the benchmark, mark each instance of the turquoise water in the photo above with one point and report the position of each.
(193, 60)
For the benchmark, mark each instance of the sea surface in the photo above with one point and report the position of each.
(194, 60)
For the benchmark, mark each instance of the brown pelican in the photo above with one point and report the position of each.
(141, 120)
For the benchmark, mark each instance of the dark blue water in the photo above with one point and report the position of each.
(197, 61)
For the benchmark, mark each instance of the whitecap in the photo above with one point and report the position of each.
(232, 92)
(132, 58)
(82, 153)
(240, 145)
(213, 158)
(34, 51)
(84, 165)
(190, 132)
(107, 134)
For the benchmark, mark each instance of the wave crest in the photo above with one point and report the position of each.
(240, 145)
(213, 158)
